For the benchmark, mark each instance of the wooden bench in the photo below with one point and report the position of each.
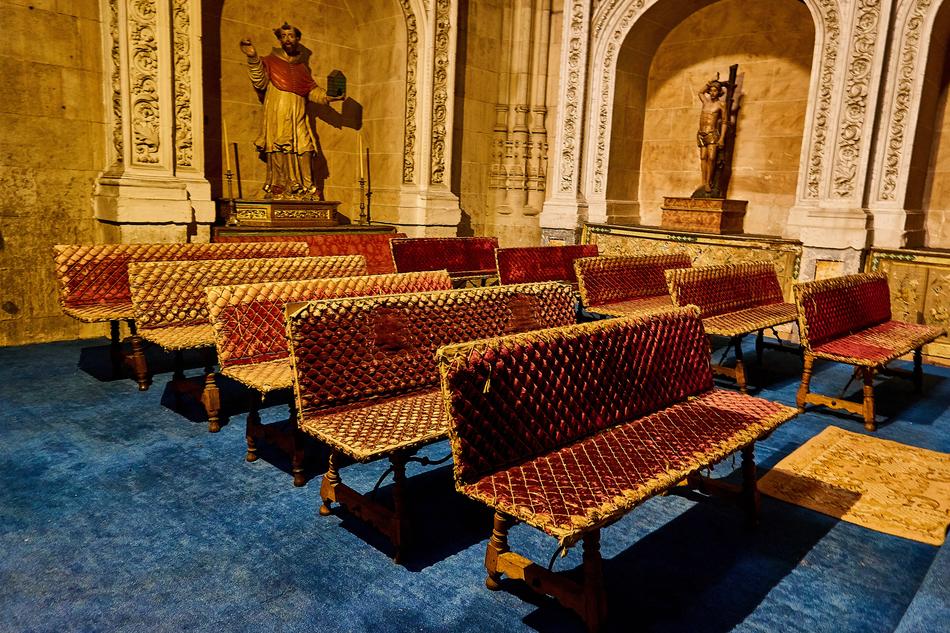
(469, 260)
(366, 381)
(94, 278)
(569, 429)
(735, 300)
(626, 285)
(848, 320)
(171, 305)
(251, 339)
(535, 264)
(373, 246)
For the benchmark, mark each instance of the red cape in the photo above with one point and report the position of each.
(289, 77)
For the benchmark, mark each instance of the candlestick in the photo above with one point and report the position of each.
(227, 146)
(362, 219)
(359, 154)
(369, 192)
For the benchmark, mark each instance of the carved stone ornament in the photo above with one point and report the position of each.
(907, 72)
(184, 155)
(143, 76)
(576, 45)
(440, 90)
(412, 59)
(831, 33)
(115, 53)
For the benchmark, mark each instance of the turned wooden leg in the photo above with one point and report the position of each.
(750, 489)
(399, 505)
(211, 399)
(868, 375)
(139, 365)
(133, 331)
(251, 430)
(759, 347)
(595, 598)
(497, 545)
(802, 395)
(298, 439)
(918, 371)
(740, 365)
(330, 480)
(115, 348)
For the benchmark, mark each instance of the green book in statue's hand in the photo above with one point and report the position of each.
(336, 84)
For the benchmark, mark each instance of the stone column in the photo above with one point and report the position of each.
(154, 188)
(426, 204)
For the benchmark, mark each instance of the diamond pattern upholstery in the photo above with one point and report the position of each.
(373, 246)
(94, 279)
(721, 289)
(461, 256)
(541, 263)
(626, 285)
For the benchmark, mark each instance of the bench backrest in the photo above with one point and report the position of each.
(98, 274)
(458, 255)
(346, 350)
(540, 263)
(373, 246)
(611, 279)
(248, 319)
(173, 293)
(721, 289)
(829, 308)
(517, 397)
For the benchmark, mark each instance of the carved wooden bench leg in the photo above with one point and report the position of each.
(297, 446)
(759, 347)
(918, 371)
(115, 348)
(802, 397)
(211, 399)
(750, 489)
(595, 598)
(251, 431)
(330, 481)
(139, 365)
(399, 520)
(497, 545)
(868, 374)
(740, 365)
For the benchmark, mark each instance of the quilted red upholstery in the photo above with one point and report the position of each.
(879, 344)
(541, 263)
(458, 255)
(831, 308)
(520, 397)
(373, 246)
(98, 274)
(248, 319)
(616, 280)
(349, 350)
(721, 289)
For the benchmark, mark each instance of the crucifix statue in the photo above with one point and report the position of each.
(717, 133)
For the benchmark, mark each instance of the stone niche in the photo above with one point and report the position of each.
(367, 40)
(665, 60)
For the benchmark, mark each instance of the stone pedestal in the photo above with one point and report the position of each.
(705, 215)
(286, 213)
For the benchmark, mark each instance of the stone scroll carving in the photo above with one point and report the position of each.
(143, 71)
(184, 154)
(412, 59)
(575, 91)
(831, 26)
(115, 80)
(440, 90)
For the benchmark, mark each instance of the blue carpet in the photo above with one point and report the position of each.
(119, 512)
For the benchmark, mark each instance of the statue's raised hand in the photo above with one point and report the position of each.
(247, 48)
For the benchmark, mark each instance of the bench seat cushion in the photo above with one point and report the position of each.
(634, 306)
(372, 429)
(94, 313)
(176, 337)
(263, 377)
(878, 344)
(594, 481)
(750, 319)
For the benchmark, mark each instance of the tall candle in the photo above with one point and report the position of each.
(227, 146)
(367, 170)
(359, 155)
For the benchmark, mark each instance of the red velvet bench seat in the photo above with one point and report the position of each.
(569, 429)
(534, 264)
(626, 285)
(469, 260)
(848, 320)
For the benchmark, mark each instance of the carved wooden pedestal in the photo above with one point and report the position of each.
(706, 215)
(286, 213)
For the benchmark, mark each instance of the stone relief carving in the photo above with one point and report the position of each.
(939, 312)
(856, 97)
(412, 59)
(906, 71)
(183, 122)
(143, 25)
(832, 31)
(440, 90)
(116, 80)
(576, 43)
